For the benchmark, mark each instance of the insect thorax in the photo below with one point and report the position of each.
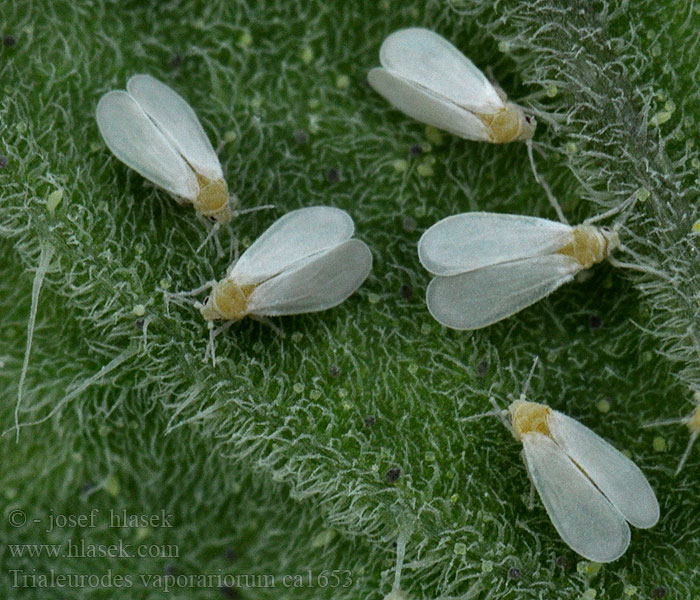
(228, 301)
(527, 417)
(589, 245)
(213, 200)
(508, 124)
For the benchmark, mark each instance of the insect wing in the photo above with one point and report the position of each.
(482, 297)
(293, 237)
(427, 107)
(430, 61)
(175, 117)
(317, 283)
(622, 481)
(580, 513)
(135, 140)
(469, 241)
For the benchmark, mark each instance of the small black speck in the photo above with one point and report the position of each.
(175, 61)
(406, 291)
(482, 368)
(595, 322)
(514, 573)
(392, 475)
(370, 420)
(659, 592)
(300, 136)
(229, 592)
(138, 324)
(334, 370)
(3, 162)
(87, 487)
(230, 554)
(333, 175)
(416, 150)
(409, 224)
(394, 544)
(563, 562)
(9, 40)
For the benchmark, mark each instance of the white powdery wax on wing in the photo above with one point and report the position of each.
(153, 130)
(427, 78)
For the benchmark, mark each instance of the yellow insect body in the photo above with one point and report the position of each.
(590, 245)
(509, 124)
(228, 301)
(213, 200)
(527, 417)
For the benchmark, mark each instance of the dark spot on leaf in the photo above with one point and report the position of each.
(392, 475)
(394, 544)
(416, 150)
(595, 322)
(230, 554)
(482, 368)
(300, 136)
(229, 592)
(3, 162)
(9, 40)
(514, 573)
(370, 420)
(563, 562)
(659, 592)
(409, 224)
(334, 370)
(86, 488)
(138, 324)
(333, 175)
(406, 291)
(175, 61)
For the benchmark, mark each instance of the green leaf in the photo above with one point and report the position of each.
(346, 396)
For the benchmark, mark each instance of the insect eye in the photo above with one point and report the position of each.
(606, 229)
(528, 118)
(212, 219)
(206, 300)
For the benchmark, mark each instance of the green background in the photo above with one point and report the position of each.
(266, 461)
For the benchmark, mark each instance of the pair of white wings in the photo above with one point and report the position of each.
(427, 78)
(589, 489)
(490, 266)
(153, 130)
(306, 261)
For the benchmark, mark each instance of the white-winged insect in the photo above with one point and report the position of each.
(692, 422)
(590, 490)
(426, 77)
(305, 262)
(153, 130)
(489, 266)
